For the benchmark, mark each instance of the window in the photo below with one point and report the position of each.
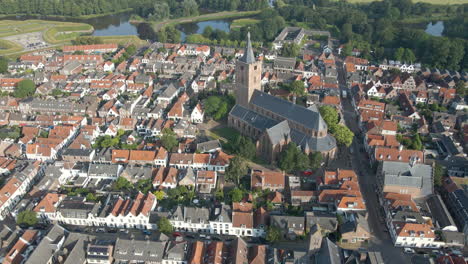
(255, 67)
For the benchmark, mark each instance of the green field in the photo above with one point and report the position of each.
(7, 47)
(63, 33)
(242, 22)
(53, 31)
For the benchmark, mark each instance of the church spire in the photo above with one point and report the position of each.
(248, 53)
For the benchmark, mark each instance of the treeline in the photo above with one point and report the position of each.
(271, 23)
(224, 5)
(378, 31)
(62, 8)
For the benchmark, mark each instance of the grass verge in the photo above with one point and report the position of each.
(60, 34)
(7, 47)
(206, 17)
(242, 22)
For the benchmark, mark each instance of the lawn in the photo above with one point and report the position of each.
(7, 47)
(59, 34)
(226, 133)
(242, 22)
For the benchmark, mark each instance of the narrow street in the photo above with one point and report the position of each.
(381, 240)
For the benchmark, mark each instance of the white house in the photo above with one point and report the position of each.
(197, 114)
(109, 66)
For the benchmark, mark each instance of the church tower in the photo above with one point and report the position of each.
(248, 75)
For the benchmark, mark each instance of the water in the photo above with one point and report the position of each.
(111, 25)
(114, 25)
(435, 29)
(119, 25)
(198, 27)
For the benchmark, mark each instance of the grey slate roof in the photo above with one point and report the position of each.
(48, 246)
(248, 54)
(75, 207)
(196, 215)
(309, 117)
(329, 253)
(110, 170)
(77, 152)
(403, 174)
(326, 221)
(258, 121)
(439, 211)
(138, 251)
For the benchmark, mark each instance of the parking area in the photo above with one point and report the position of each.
(29, 41)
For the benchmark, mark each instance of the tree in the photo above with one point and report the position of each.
(297, 88)
(408, 56)
(399, 54)
(144, 185)
(290, 50)
(28, 218)
(169, 139)
(236, 170)
(439, 173)
(161, 11)
(316, 160)
(219, 195)
(329, 115)
(461, 88)
(91, 197)
(245, 147)
(287, 158)
(207, 32)
(343, 135)
(3, 65)
(122, 184)
(189, 8)
(273, 234)
(165, 226)
(24, 89)
(217, 107)
(236, 195)
(293, 159)
(159, 195)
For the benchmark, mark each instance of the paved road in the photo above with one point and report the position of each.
(381, 240)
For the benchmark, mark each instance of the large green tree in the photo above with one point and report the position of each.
(329, 115)
(244, 147)
(293, 159)
(297, 88)
(343, 135)
(169, 139)
(273, 234)
(236, 170)
(165, 226)
(28, 218)
(24, 89)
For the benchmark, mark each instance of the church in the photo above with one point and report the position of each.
(274, 122)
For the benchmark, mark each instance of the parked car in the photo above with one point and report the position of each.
(100, 230)
(408, 250)
(146, 232)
